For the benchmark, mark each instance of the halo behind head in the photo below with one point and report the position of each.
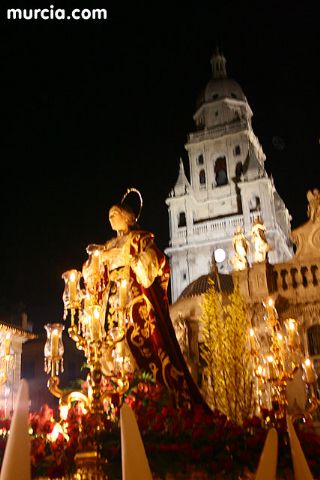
(133, 190)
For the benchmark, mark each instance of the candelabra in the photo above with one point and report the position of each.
(99, 334)
(277, 355)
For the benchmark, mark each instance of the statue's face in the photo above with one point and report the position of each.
(118, 220)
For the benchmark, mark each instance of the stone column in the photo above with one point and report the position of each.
(260, 281)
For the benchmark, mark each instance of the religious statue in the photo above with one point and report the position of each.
(241, 248)
(136, 275)
(259, 241)
(181, 330)
(313, 210)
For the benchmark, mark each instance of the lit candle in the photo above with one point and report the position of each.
(291, 326)
(271, 311)
(259, 371)
(280, 341)
(123, 293)
(95, 262)
(120, 355)
(252, 339)
(95, 324)
(272, 372)
(72, 287)
(87, 303)
(310, 374)
(54, 343)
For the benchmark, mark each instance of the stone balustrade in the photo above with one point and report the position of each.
(216, 132)
(215, 229)
(302, 280)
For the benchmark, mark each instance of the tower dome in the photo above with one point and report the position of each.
(223, 283)
(220, 86)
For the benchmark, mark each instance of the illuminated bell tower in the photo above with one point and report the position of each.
(228, 186)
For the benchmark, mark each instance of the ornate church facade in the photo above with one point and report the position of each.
(225, 211)
(228, 188)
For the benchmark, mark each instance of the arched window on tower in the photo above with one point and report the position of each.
(182, 220)
(313, 334)
(237, 150)
(200, 159)
(254, 204)
(239, 171)
(202, 178)
(220, 170)
(200, 123)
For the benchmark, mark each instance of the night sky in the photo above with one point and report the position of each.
(90, 108)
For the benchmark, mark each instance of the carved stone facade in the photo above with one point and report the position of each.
(293, 285)
(228, 186)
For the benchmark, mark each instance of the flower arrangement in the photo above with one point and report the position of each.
(176, 443)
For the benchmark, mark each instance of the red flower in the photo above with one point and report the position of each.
(47, 426)
(207, 450)
(151, 412)
(187, 423)
(38, 446)
(195, 454)
(159, 424)
(245, 456)
(131, 401)
(214, 437)
(215, 467)
(198, 433)
(256, 421)
(169, 447)
(56, 471)
(168, 411)
(252, 422)
(5, 424)
(198, 414)
(2, 445)
(226, 463)
(256, 440)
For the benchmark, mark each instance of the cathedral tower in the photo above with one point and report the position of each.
(228, 186)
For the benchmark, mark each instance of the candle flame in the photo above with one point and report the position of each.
(292, 324)
(64, 409)
(259, 370)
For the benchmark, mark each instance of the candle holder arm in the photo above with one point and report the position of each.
(53, 386)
